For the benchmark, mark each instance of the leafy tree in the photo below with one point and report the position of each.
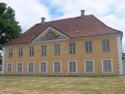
(9, 27)
(123, 56)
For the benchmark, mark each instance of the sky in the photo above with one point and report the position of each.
(30, 12)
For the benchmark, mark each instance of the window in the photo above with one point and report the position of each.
(89, 66)
(106, 45)
(72, 67)
(43, 50)
(9, 68)
(107, 66)
(43, 67)
(31, 51)
(19, 67)
(88, 47)
(57, 49)
(30, 67)
(10, 53)
(56, 67)
(20, 52)
(71, 48)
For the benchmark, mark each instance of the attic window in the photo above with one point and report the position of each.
(77, 31)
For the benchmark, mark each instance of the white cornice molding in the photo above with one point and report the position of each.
(46, 30)
(67, 39)
(119, 50)
(3, 60)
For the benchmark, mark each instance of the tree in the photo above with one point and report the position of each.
(9, 27)
(123, 56)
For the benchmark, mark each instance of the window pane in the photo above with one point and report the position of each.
(57, 67)
(89, 66)
(72, 48)
(88, 47)
(57, 49)
(72, 66)
(43, 50)
(107, 67)
(19, 67)
(31, 65)
(9, 68)
(106, 45)
(31, 51)
(10, 53)
(43, 67)
(20, 52)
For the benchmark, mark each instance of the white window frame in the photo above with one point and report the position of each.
(3, 61)
(7, 68)
(17, 67)
(20, 52)
(105, 45)
(31, 51)
(40, 67)
(60, 66)
(88, 46)
(111, 65)
(85, 66)
(43, 50)
(57, 49)
(76, 66)
(72, 48)
(28, 67)
(10, 53)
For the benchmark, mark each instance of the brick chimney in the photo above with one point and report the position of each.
(82, 12)
(43, 20)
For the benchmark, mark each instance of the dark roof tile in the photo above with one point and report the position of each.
(88, 25)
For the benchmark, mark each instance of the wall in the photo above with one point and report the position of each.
(123, 61)
(97, 55)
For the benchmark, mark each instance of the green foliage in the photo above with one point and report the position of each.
(9, 27)
(123, 56)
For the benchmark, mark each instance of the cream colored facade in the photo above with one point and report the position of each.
(80, 56)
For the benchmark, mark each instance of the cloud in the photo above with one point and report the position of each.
(29, 12)
(111, 12)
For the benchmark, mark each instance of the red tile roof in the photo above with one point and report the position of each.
(88, 25)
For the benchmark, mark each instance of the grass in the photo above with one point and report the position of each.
(61, 85)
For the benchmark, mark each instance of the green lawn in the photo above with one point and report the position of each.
(61, 85)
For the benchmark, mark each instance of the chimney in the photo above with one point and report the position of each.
(82, 12)
(43, 20)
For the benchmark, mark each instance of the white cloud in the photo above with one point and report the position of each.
(111, 12)
(29, 12)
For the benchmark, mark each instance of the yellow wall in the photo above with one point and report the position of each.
(97, 55)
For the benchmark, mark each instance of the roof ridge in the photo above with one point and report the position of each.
(64, 19)
(88, 25)
(106, 25)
